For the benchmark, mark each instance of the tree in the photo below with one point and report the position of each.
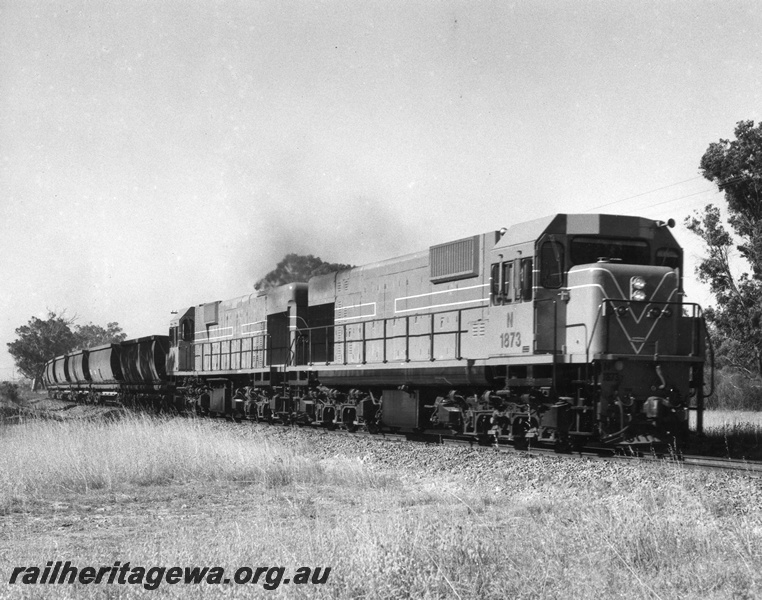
(40, 340)
(296, 267)
(89, 336)
(736, 167)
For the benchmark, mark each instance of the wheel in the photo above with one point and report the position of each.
(328, 418)
(349, 421)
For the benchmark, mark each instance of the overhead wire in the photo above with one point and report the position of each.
(679, 198)
(718, 190)
(644, 193)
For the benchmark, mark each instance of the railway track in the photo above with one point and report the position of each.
(745, 467)
(709, 463)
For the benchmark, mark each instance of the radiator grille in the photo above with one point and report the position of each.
(455, 260)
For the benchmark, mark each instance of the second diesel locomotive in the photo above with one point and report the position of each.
(570, 330)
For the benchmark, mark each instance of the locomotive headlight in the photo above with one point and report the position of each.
(637, 286)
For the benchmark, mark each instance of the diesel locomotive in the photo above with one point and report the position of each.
(571, 331)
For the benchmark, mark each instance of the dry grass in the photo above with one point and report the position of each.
(718, 419)
(45, 458)
(731, 433)
(179, 493)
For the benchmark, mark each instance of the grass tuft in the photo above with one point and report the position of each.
(732, 434)
(43, 458)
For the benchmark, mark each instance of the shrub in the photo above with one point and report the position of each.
(734, 390)
(9, 392)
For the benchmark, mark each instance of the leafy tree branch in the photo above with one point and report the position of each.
(735, 166)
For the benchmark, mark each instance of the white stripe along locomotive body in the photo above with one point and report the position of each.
(568, 330)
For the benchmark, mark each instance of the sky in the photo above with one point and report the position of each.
(157, 155)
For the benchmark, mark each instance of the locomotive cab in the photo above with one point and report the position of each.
(181, 336)
(603, 329)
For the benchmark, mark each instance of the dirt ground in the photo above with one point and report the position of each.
(38, 405)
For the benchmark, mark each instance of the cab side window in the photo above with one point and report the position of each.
(524, 289)
(494, 280)
(187, 333)
(552, 265)
(501, 282)
(507, 280)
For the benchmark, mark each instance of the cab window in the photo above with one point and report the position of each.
(586, 250)
(552, 265)
(495, 279)
(668, 257)
(524, 290)
(187, 333)
(507, 280)
(501, 279)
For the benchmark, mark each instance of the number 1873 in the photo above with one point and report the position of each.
(510, 339)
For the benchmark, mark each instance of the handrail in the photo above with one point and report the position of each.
(265, 350)
(711, 354)
(696, 309)
(457, 331)
(592, 333)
